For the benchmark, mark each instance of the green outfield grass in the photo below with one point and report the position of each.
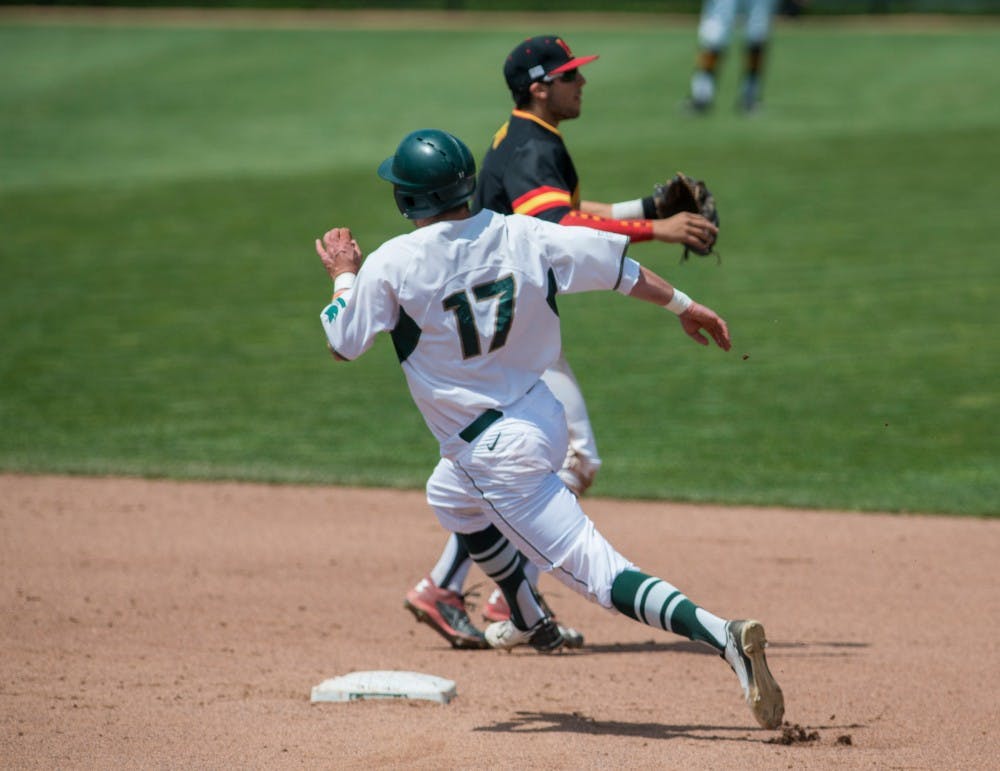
(160, 296)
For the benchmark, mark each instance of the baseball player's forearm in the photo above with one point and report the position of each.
(342, 286)
(653, 288)
(637, 230)
(598, 209)
(639, 220)
(682, 228)
(341, 257)
(693, 316)
(636, 209)
(636, 215)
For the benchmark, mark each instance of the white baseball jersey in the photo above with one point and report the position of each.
(470, 305)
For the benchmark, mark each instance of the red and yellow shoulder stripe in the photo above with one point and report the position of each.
(541, 199)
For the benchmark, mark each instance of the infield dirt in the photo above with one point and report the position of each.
(182, 625)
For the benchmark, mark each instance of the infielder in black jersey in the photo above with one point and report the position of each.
(528, 170)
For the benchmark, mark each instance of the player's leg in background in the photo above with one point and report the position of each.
(758, 32)
(714, 29)
(438, 599)
(452, 566)
(582, 460)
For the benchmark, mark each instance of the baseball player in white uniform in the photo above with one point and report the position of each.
(715, 29)
(471, 304)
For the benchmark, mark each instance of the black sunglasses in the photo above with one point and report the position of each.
(568, 76)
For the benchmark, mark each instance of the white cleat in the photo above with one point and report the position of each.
(745, 643)
(571, 637)
(496, 610)
(544, 636)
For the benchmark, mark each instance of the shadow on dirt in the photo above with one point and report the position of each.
(685, 646)
(577, 723)
(648, 646)
(817, 648)
(526, 722)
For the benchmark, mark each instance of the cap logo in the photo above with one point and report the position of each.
(536, 72)
(564, 47)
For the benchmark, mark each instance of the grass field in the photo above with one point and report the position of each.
(160, 188)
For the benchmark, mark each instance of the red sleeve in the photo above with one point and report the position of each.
(637, 230)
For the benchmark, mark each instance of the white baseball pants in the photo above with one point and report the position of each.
(507, 477)
(718, 16)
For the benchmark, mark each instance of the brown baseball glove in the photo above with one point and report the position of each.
(682, 193)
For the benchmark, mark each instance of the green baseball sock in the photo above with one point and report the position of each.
(656, 603)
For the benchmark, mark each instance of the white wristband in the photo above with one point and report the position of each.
(627, 210)
(679, 303)
(343, 281)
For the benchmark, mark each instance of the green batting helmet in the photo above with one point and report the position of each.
(431, 172)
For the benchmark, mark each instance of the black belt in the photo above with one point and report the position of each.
(480, 424)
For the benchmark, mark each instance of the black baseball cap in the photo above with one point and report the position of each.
(539, 58)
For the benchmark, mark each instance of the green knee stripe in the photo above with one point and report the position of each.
(664, 621)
